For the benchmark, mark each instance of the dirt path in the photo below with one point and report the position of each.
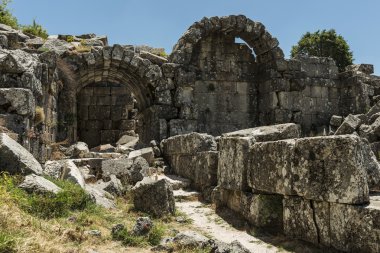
(211, 224)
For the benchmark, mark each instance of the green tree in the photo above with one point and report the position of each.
(325, 44)
(6, 16)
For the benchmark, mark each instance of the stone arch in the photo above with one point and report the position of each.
(265, 46)
(116, 66)
(218, 79)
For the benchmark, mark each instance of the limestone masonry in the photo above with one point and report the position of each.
(289, 144)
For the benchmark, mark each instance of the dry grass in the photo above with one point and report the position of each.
(39, 116)
(62, 235)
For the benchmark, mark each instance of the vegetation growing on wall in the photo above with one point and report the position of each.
(325, 44)
(7, 18)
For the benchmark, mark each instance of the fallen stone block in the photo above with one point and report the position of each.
(100, 196)
(154, 197)
(38, 184)
(77, 150)
(128, 141)
(350, 124)
(146, 153)
(129, 171)
(64, 170)
(15, 159)
(269, 133)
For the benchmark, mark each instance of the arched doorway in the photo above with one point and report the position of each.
(222, 93)
(112, 89)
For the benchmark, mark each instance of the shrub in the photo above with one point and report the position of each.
(6, 16)
(153, 238)
(7, 243)
(39, 117)
(72, 197)
(35, 29)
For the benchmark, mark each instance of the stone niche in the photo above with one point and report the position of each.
(105, 112)
(224, 90)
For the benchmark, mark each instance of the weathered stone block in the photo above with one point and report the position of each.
(188, 144)
(17, 100)
(269, 133)
(15, 159)
(200, 168)
(154, 197)
(332, 169)
(350, 124)
(260, 210)
(270, 168)
(234, 162)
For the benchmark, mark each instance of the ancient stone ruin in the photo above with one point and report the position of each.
(289, 144)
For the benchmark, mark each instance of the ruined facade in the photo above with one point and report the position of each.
(54, 92)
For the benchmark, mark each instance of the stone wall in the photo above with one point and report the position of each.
(316, 189)
(105, 113)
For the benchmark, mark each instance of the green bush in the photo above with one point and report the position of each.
(6, 16)
(7, 243)
(35, 29)
(153, 238)
(72, 197)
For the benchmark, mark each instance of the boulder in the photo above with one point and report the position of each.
(59, 46)
(142, 226)
(38, 184)
(17, 100)
(233, 247)
(350, 124)
(146, 153)
(128, 141)
(114, 186)
(77, 150)
(154, 197)
(100, 196)
(64, 170)
(15, 159)
(191, 240)
(129, 171)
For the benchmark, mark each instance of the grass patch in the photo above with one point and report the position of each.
(72, 197)
(7, 243)
(153, 238)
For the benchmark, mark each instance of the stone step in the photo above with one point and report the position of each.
(176, 181)
(184, 196)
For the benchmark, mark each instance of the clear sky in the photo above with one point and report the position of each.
(160, 23)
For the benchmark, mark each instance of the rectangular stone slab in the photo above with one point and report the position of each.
(328, 168)
(348, 228)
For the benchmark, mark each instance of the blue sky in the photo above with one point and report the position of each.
(160, 23)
